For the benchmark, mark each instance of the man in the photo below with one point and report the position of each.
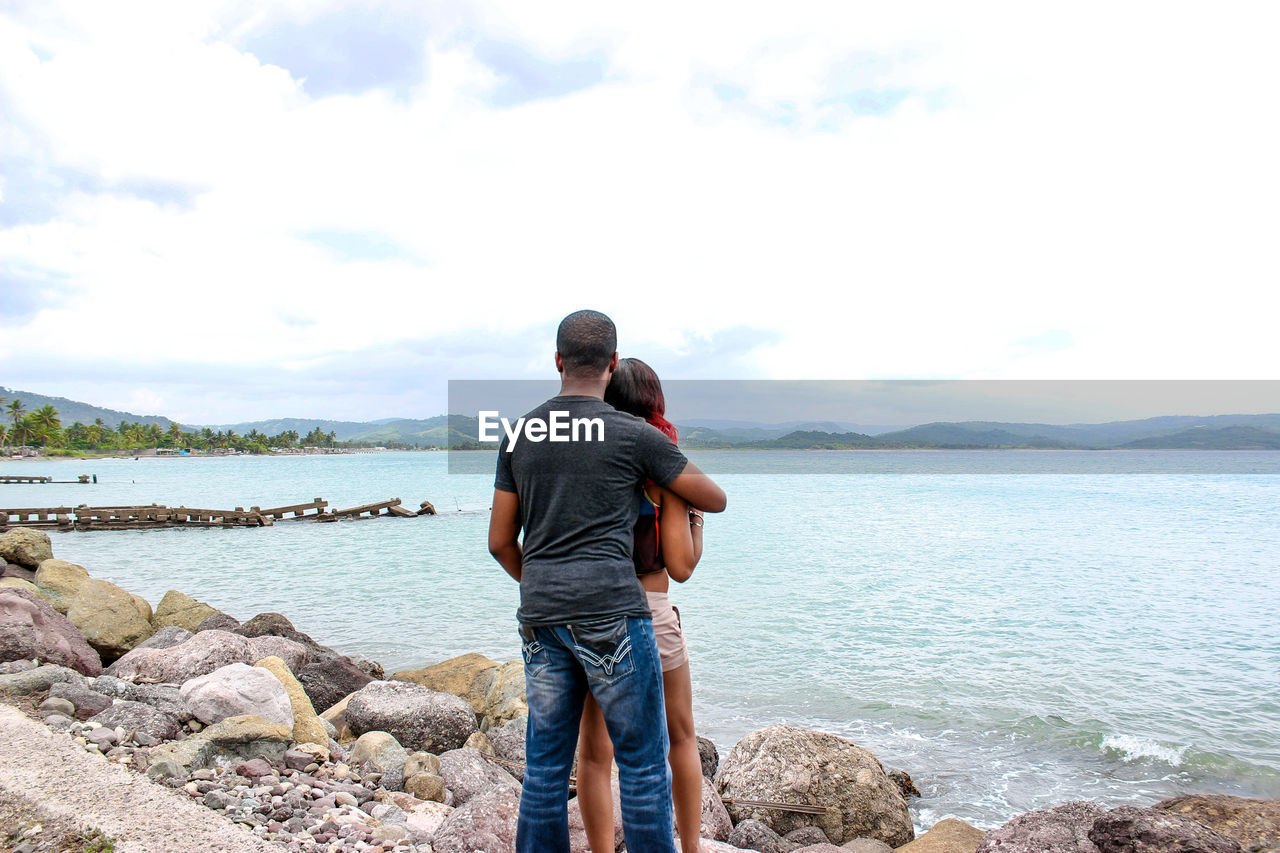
(584, 621)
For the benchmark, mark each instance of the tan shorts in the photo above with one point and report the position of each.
(666, 627)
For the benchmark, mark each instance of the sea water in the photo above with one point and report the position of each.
(1015, 629)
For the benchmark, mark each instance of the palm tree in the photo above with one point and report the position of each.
(176, 435)
(46, 424)
(16, 411)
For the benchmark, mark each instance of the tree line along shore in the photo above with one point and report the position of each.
(309, 749)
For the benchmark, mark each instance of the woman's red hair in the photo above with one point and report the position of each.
(636, 390)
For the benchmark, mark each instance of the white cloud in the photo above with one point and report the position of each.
(1104, 171)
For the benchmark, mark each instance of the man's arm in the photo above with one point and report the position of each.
(699, 489)
(504, 532)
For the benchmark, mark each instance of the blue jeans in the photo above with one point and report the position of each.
(617, 661)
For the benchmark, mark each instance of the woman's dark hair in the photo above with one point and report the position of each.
(635, 389)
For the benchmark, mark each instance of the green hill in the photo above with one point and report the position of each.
(1203, 438)
(70, 411)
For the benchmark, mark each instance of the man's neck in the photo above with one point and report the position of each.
(576, 387)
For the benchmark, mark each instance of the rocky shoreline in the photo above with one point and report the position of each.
(308, 749)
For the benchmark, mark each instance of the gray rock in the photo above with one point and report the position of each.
(1253, 823)
(866, 845)
(1061, 829)
(40, 678)
(468, 774)
(379, 752)
(31, 628)
(237, 689)
(807, 836)
(166, 638)
(104, 736)
(786, 764)
(709, 757)
(10, 667)
(508, 742)
(1130, 829)
(167, 769)
(57, 705)
(371, 668)
(328, 678)
(162, 697)
(487, 822)
(135, 716)
(418, 717)
(716, 824)
(28, 548)
(825, 847)
(218, 622)
(751, 834)
(294, 654)
(85, 703)
(200, 655)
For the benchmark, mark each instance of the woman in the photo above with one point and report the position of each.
(668, 544)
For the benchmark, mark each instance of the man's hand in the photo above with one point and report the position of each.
(699, 490)
(504, 532)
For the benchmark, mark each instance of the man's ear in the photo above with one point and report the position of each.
(613, 363)
(559, 363)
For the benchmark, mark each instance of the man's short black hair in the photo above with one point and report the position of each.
(586, 341)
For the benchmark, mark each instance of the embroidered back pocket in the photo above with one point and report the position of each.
(535, 656)
(604, 649)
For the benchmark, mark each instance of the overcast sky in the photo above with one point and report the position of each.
(222, 211)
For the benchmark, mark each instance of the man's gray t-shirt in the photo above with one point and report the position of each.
(578, 504)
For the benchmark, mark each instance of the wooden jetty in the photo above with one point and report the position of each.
(13, 479)
(152, 516)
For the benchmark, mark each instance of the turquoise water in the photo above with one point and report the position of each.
(1015, 629)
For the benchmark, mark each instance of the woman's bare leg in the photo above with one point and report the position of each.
(686, 766)
(595, 766)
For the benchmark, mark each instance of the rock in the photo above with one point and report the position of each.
(1253, 823)
(293, 655)
(715, 817)
(40, 678)
(709, 756)
(57, 705)
(269, 624)
(826, 847)
(31, 628)
(905, 783)
(235, 690)
(469, 774)
(785, 764)
(371, 668)
(327, 679)
(61, 580)
(421, 762)
(751, 834)
(480, 743)
(111, 619)
(104, 737)
(200, 655)
(505, 698)
(418, 717)
(1131, 829)
(467, 676)
(1061, 829)
(235, 738)
(381, 753)
(866, 845)
(307, 727)
(425, 786)
(16, 572)
(28, 548)
(508, 744)
(166, 768)
(26, 586)
(336, 715)
(10, 667)
(807, 836)
(162, 697)
(166, 638)
(487, 822)
(181, 611)
(135, 716)
(947, 836)
(254, 769)
(218, 622)
(425, 820)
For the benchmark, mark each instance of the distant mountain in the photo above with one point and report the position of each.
(70, 411)
(438, 431)
(1203, 438)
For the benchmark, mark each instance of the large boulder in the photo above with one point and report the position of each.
(61, 580)
(1253, 823)
(715, 817)
(219, 622)
(200, 655)
(26, 586)
(182, 610)
(137, 717)
(468, 774)
(162, 697)
(505, 698)
(487, 822)
(233, 739)
(307, 726)
(31, 629)
(1061, 829)
(235, 690)
(508, 742)
(802, 766)
(166, 638)
(379, 752)
(418, 717)
(37, 679)
(1130, 829)
(468, 676)
(328, 677)
(28, 548)
(113, 620)
(751, 834)
(86, 702)
(294, 655)
(947, 836)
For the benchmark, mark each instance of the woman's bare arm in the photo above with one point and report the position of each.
(681, 540)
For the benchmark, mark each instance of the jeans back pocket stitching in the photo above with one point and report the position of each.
(606, 662)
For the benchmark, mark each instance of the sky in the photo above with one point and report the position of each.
(227, 211)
